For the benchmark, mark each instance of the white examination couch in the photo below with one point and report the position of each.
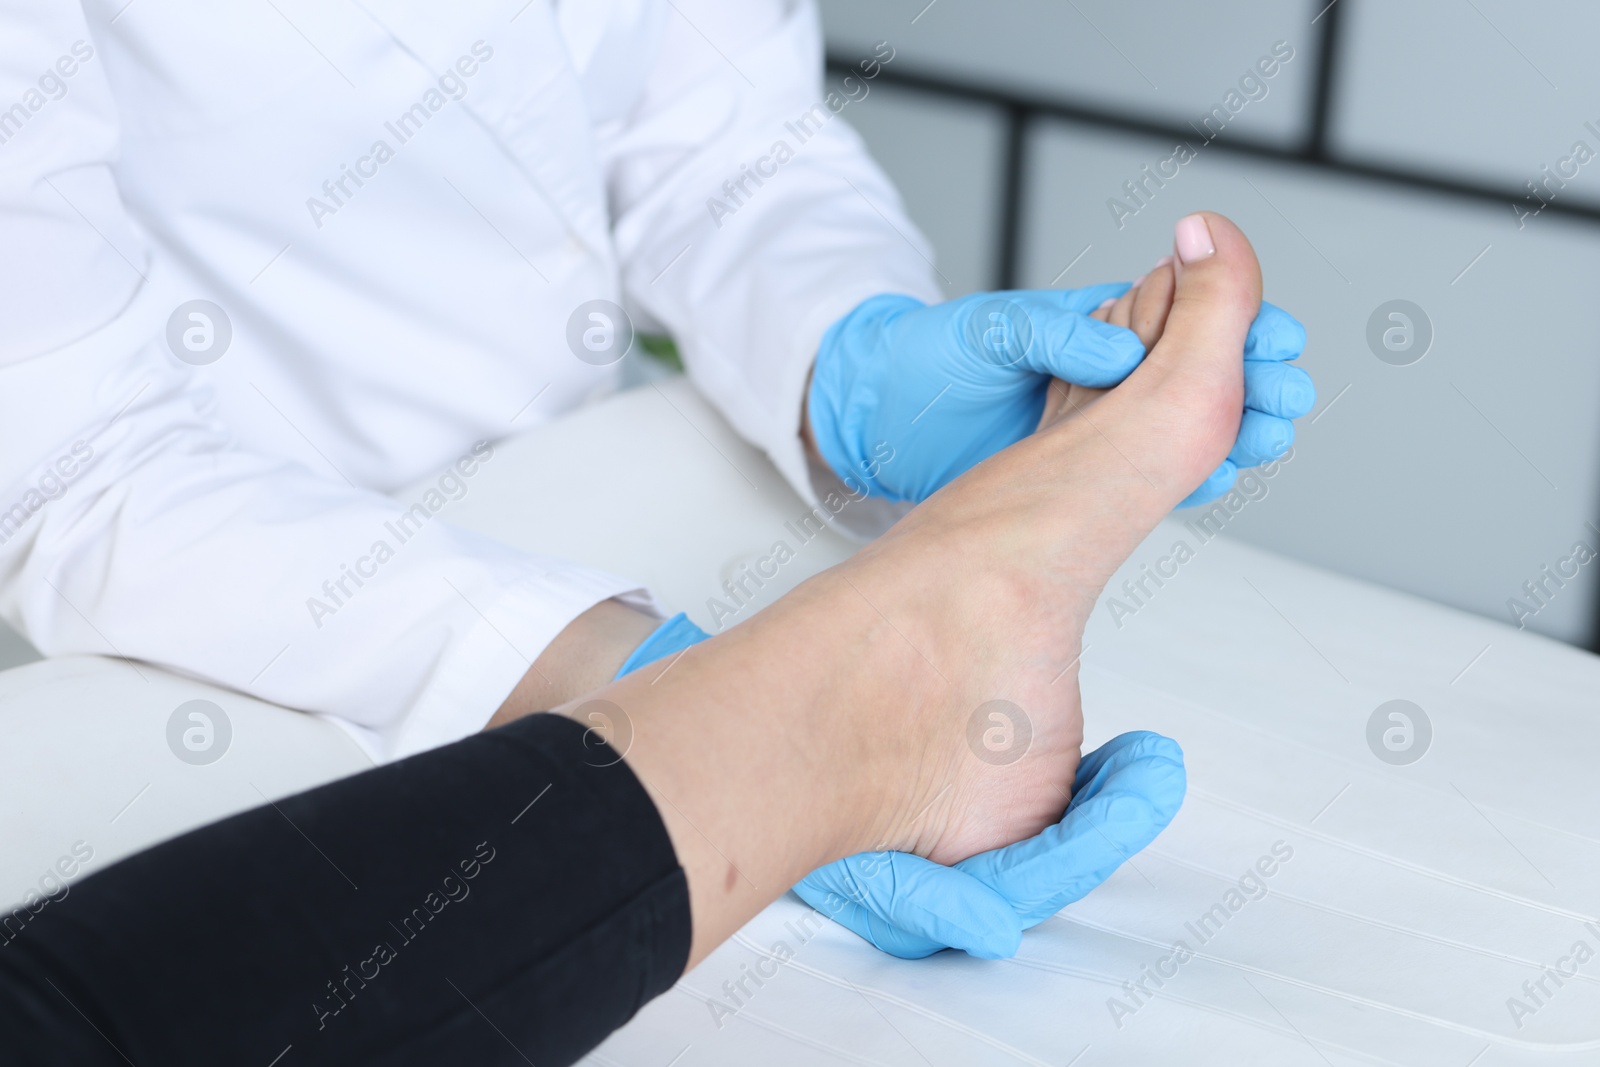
(1414, 913)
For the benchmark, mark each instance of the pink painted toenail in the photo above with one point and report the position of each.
(1193, 239)
(1138, 281)
(1107, 302)
(1162, 262)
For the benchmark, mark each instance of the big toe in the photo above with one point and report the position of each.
(1192, 382)
(1216, 296)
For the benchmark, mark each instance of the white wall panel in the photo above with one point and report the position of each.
(1162, 60)
(1491, 91)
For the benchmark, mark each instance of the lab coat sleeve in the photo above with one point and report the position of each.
(130, 522)
(749, 216)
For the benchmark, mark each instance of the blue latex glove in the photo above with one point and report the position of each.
(1125, 793)
(906, 396)
(672, 636)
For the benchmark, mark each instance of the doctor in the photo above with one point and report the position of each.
(266, 263)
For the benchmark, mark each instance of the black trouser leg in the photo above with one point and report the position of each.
(500, 900)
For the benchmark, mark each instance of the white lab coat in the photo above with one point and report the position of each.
(162, 151)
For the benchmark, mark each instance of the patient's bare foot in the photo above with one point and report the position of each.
(852, 714)
(1028, 539)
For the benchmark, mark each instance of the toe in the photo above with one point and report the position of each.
(1152, 302)
(1217, 287)
(1166, 429)
(1120, 313)
(1192, 382)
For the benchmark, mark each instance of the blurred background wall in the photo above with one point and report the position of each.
(1388, 159)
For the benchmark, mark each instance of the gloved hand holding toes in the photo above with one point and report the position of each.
(945, 386)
